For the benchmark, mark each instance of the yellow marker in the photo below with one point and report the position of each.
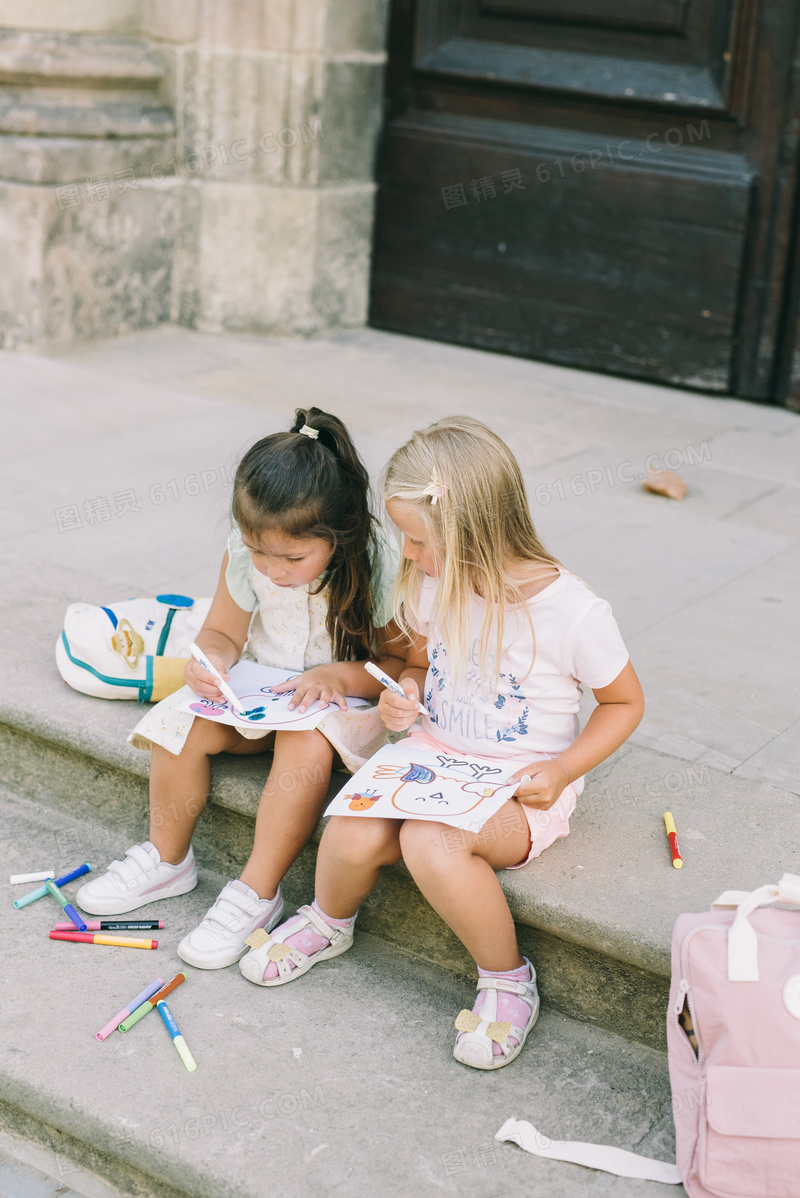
(672, 836)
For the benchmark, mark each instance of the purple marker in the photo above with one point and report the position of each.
(114, 1023)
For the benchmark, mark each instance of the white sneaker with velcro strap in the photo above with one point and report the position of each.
(220, 939)
(140, 879)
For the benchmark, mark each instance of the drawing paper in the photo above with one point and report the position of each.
(252, 683)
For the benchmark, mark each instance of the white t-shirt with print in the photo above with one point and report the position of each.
(577, 642)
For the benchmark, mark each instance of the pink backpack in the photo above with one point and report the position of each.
(736, 1101)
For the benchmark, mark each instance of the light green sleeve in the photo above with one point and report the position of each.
(385, 566)
(239, 574)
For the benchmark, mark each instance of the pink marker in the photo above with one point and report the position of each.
(114, 1023)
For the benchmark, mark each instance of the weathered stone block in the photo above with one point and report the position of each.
(277, 260)
(351, 111)
(171, 20)
(92, 270)
(280, 118)
(60, 160)
(356, 25)
(343, 249)
(89, 16)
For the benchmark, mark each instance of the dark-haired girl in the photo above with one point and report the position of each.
(306, 582)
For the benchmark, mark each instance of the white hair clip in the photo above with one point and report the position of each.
(308, 431)
(435, 488)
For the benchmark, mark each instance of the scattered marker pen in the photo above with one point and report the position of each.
(96, 938)
(115, 925)
(68, 907)
(147, 1006)
(672, 837)
(126, 1011)
(177, 1038)
(201, 658)
(17, 879)
(390, 683)
(42, 891)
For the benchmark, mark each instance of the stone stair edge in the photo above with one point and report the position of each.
(234, 788)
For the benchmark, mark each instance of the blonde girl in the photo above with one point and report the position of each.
(306, 583)
(502, 639)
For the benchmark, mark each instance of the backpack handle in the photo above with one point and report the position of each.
(742, 936)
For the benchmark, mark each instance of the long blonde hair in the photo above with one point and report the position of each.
(480, 528)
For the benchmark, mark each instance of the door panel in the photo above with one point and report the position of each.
(655, 172)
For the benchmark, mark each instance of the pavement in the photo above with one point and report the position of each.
(116, 461)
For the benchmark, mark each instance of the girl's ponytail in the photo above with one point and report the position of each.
(317, 487)
(335, 438)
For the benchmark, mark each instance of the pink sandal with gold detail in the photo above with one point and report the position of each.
(265, 948)
(480, 1031)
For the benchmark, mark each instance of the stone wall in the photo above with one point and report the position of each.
(205, 161)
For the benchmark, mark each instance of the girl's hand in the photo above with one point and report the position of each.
(547, 780)
(396, 713)
(202, 683)
(322, 683)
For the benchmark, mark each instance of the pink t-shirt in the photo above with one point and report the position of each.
(577, 641)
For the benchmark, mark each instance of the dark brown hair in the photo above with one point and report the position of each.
(309, 487)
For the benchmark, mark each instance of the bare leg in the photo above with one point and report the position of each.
(179, 786)
(461, 886)
(290, 806)
(351, 854)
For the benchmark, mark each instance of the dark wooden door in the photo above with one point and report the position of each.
(607, 184)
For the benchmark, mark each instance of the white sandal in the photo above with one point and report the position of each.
(480, 1031)
(265, 948)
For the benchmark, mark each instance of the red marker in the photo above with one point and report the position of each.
(672, 836)
(94, 938)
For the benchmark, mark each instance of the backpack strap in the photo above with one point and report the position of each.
(594, 1156)
(742, 936)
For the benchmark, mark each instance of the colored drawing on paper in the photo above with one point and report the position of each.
(406, 781)
(252, 684)
(363, 802)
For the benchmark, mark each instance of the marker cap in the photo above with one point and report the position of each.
(185, 1055)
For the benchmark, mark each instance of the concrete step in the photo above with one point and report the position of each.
(341, 1082)
(595, 913)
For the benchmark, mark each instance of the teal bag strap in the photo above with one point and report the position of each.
(162, 640)
(144, 688)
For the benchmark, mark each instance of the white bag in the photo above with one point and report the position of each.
(135, 649)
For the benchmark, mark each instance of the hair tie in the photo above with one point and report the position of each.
(308, 431)
(435, 488)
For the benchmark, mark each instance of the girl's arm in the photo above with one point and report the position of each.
(619, 710)
(330, 683)
(221, 638)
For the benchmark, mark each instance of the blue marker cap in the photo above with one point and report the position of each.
(42, 890)
(169, 1022)
(75, 917)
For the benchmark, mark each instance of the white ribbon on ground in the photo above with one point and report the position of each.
(593, 1156)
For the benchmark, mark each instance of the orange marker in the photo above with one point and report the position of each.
(95, 938)
(672, 836)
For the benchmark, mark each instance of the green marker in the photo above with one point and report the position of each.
(149, 1005)
(68, 907)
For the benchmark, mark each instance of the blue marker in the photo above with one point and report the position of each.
(177, 1038)
(42, 891)
(68, 907)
